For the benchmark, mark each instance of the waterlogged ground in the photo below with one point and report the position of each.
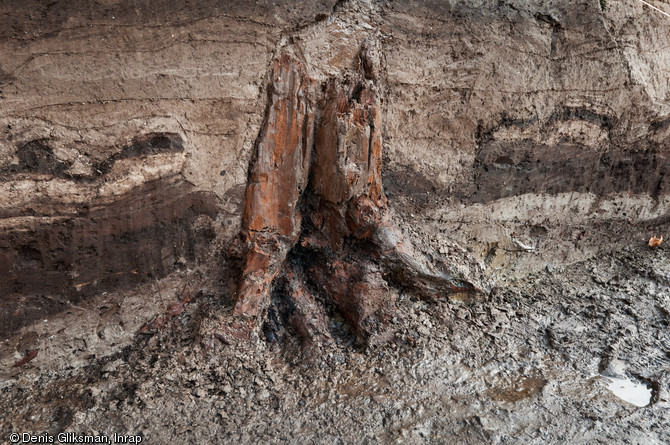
(575, 355)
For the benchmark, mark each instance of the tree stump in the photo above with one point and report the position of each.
(316, 227)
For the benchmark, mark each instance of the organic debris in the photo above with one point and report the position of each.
(655, 241)
(30, 354)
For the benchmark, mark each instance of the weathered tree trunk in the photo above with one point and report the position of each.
(271, 220)
(316, 221)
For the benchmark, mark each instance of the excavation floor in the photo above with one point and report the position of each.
(537, 363)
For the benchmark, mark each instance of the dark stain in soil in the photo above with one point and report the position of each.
(143, 235)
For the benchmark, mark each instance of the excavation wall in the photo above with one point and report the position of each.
(531, 133)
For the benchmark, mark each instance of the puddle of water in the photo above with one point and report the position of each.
(639, 394)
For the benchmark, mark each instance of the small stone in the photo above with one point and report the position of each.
(200, 392)
(424, 331)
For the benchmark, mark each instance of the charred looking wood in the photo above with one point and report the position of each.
(317, 228)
